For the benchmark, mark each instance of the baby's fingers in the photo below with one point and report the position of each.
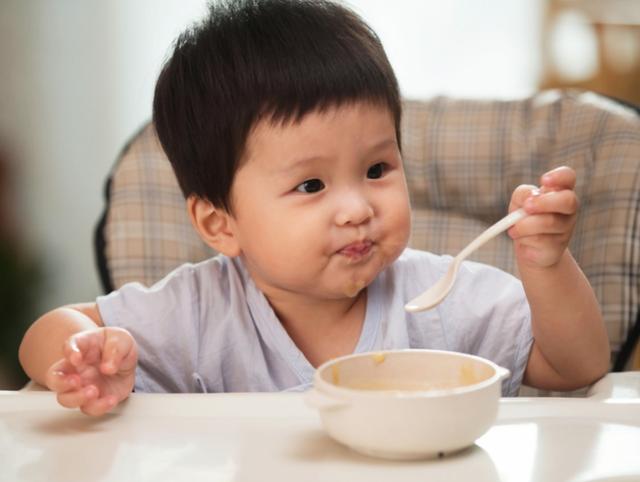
(521, 194)
(99, 406)
(88, 400)
(78, 398)
(119, 352)
(559, 178)
(84, 347)
(558, 202)
(61, 383)
(534, 229)
(59, 380)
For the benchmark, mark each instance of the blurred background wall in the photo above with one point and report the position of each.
(77, 77)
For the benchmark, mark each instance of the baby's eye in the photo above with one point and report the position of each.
(376, 171)
(310, 186)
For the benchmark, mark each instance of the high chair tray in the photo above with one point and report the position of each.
(259, 437)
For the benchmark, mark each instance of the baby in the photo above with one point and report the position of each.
(281, 120)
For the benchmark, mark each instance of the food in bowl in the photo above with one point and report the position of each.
(407, 404)
(464, 374)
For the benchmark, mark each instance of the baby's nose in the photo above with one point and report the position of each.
(353, 208)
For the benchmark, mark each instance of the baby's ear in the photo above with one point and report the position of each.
(213, 225)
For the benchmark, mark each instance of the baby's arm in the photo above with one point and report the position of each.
(571, 347)
(69, 351)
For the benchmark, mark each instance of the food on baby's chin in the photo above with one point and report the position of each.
(351, 289)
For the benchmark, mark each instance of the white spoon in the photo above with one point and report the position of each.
(438, 291)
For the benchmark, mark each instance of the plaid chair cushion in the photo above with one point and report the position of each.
(463, 159)
(145, 231)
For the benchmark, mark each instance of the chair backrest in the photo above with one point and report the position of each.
(144, 231)
(463, 158)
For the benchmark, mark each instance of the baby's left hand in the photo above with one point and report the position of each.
(542, 237)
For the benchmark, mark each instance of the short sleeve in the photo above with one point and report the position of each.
(163, 320)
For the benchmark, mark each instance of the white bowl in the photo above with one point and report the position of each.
(407, 404)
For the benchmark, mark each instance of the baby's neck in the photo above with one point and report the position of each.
(325, 329)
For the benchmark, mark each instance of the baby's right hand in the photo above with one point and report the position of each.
(97, 371)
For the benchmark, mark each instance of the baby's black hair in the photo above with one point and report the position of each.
(261, 59)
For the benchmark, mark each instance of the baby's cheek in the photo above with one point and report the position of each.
(398, 236)
(402, 221)
(390, 252)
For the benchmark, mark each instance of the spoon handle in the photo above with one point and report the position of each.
(502, 225)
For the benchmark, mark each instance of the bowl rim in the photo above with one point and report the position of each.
(346, 392)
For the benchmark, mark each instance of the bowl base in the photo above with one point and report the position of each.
(389, 455)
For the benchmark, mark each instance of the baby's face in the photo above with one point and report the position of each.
(321, 206)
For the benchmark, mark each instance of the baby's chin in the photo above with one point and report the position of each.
(355, 284)
(352, 288)
(361, 277)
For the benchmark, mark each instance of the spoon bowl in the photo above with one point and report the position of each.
(436, 293)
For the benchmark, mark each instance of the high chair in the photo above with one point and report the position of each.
(463, 158)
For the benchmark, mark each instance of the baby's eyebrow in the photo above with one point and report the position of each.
(303, 162)
(383, 144)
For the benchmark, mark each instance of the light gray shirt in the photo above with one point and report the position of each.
(206, 327)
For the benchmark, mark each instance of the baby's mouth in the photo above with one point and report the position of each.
(356, 250)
